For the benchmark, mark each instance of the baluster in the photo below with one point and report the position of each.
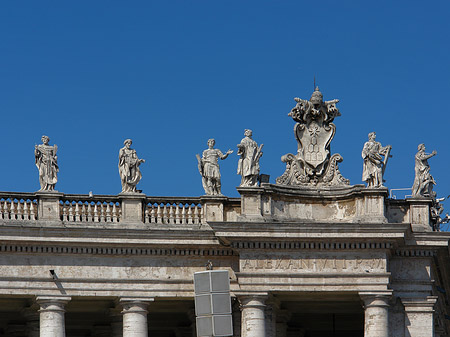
(25, 211)
(19, 215)
(183, 215)
(70, 205)
(165, 214)
(2, 209)
(195, 215)
(108, 212)
(103, 213)
(177, 214)
(95, 212)
(171, 215)
(152, 214)
(32, 211)
(114, 214)
(189, 215)
(89, 212)
(13, 210)
(159, 214)
(77, 212)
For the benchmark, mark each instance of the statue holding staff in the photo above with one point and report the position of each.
(374, 164)
(47, 164)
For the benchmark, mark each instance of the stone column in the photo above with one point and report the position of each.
(116, 322)
(51, 315)
(419, 320)
(272, 307)
(236, 316)
(376, 322)
(253, 315)
(135, 316)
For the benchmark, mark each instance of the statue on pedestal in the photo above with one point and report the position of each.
(248, 165)
(129, 171)
(374, 164)
(47, 164)
(423, 181)
(313, 165)
(208, 167)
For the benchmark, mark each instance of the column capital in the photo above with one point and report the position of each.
(52, 303)
(375, 299)
(136, 305)
(249, 300)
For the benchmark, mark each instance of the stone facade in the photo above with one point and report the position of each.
(302, 262)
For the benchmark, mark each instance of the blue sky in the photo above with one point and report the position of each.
(172, 74)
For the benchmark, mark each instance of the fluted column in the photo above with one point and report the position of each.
(419, 320)
(253, 315)
(376, 322)
(51, 315)
(135, 316)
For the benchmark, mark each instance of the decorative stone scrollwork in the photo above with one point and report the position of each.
(313, 165)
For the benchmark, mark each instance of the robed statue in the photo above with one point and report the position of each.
(208, 166)
(47, 164)
(248, 165)
(423, 181)
(374, 164)
(129, 171)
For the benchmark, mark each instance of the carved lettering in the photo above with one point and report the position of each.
(313, 264)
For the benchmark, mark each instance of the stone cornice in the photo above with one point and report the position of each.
(311, 245)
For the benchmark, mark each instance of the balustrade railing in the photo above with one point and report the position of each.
(18, 206)
(173, 210)
(82, 208)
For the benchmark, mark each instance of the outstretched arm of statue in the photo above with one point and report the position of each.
(224, 156)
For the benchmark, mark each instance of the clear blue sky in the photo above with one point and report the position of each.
(171, 74)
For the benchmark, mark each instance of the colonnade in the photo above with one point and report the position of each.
(259, 316)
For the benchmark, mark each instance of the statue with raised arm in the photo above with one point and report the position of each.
(129, 171)
(374, 163)
(248, 165)
(208, 167)
(47, 164)
(423, 181)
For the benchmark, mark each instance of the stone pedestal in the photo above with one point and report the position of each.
(376, 319)
(419, 320)
(51, 318)
(253, 315)
(135, 316)
(371, 207)
(132, 205)
(419, 214)
(48, 205)
(213, 207)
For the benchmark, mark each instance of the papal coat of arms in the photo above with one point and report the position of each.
(314, 131)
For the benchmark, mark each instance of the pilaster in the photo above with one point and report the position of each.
(419, 321)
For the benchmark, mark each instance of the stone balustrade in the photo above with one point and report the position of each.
(187, 211)
(82, 208)
(18, 206)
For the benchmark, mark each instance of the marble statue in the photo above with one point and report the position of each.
(313, 165)
(423, 181)
(374, 164)
(47, 164)
(248, 165)
(208, 167)
(129, 171)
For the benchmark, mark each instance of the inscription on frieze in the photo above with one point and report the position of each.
(312, 263)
